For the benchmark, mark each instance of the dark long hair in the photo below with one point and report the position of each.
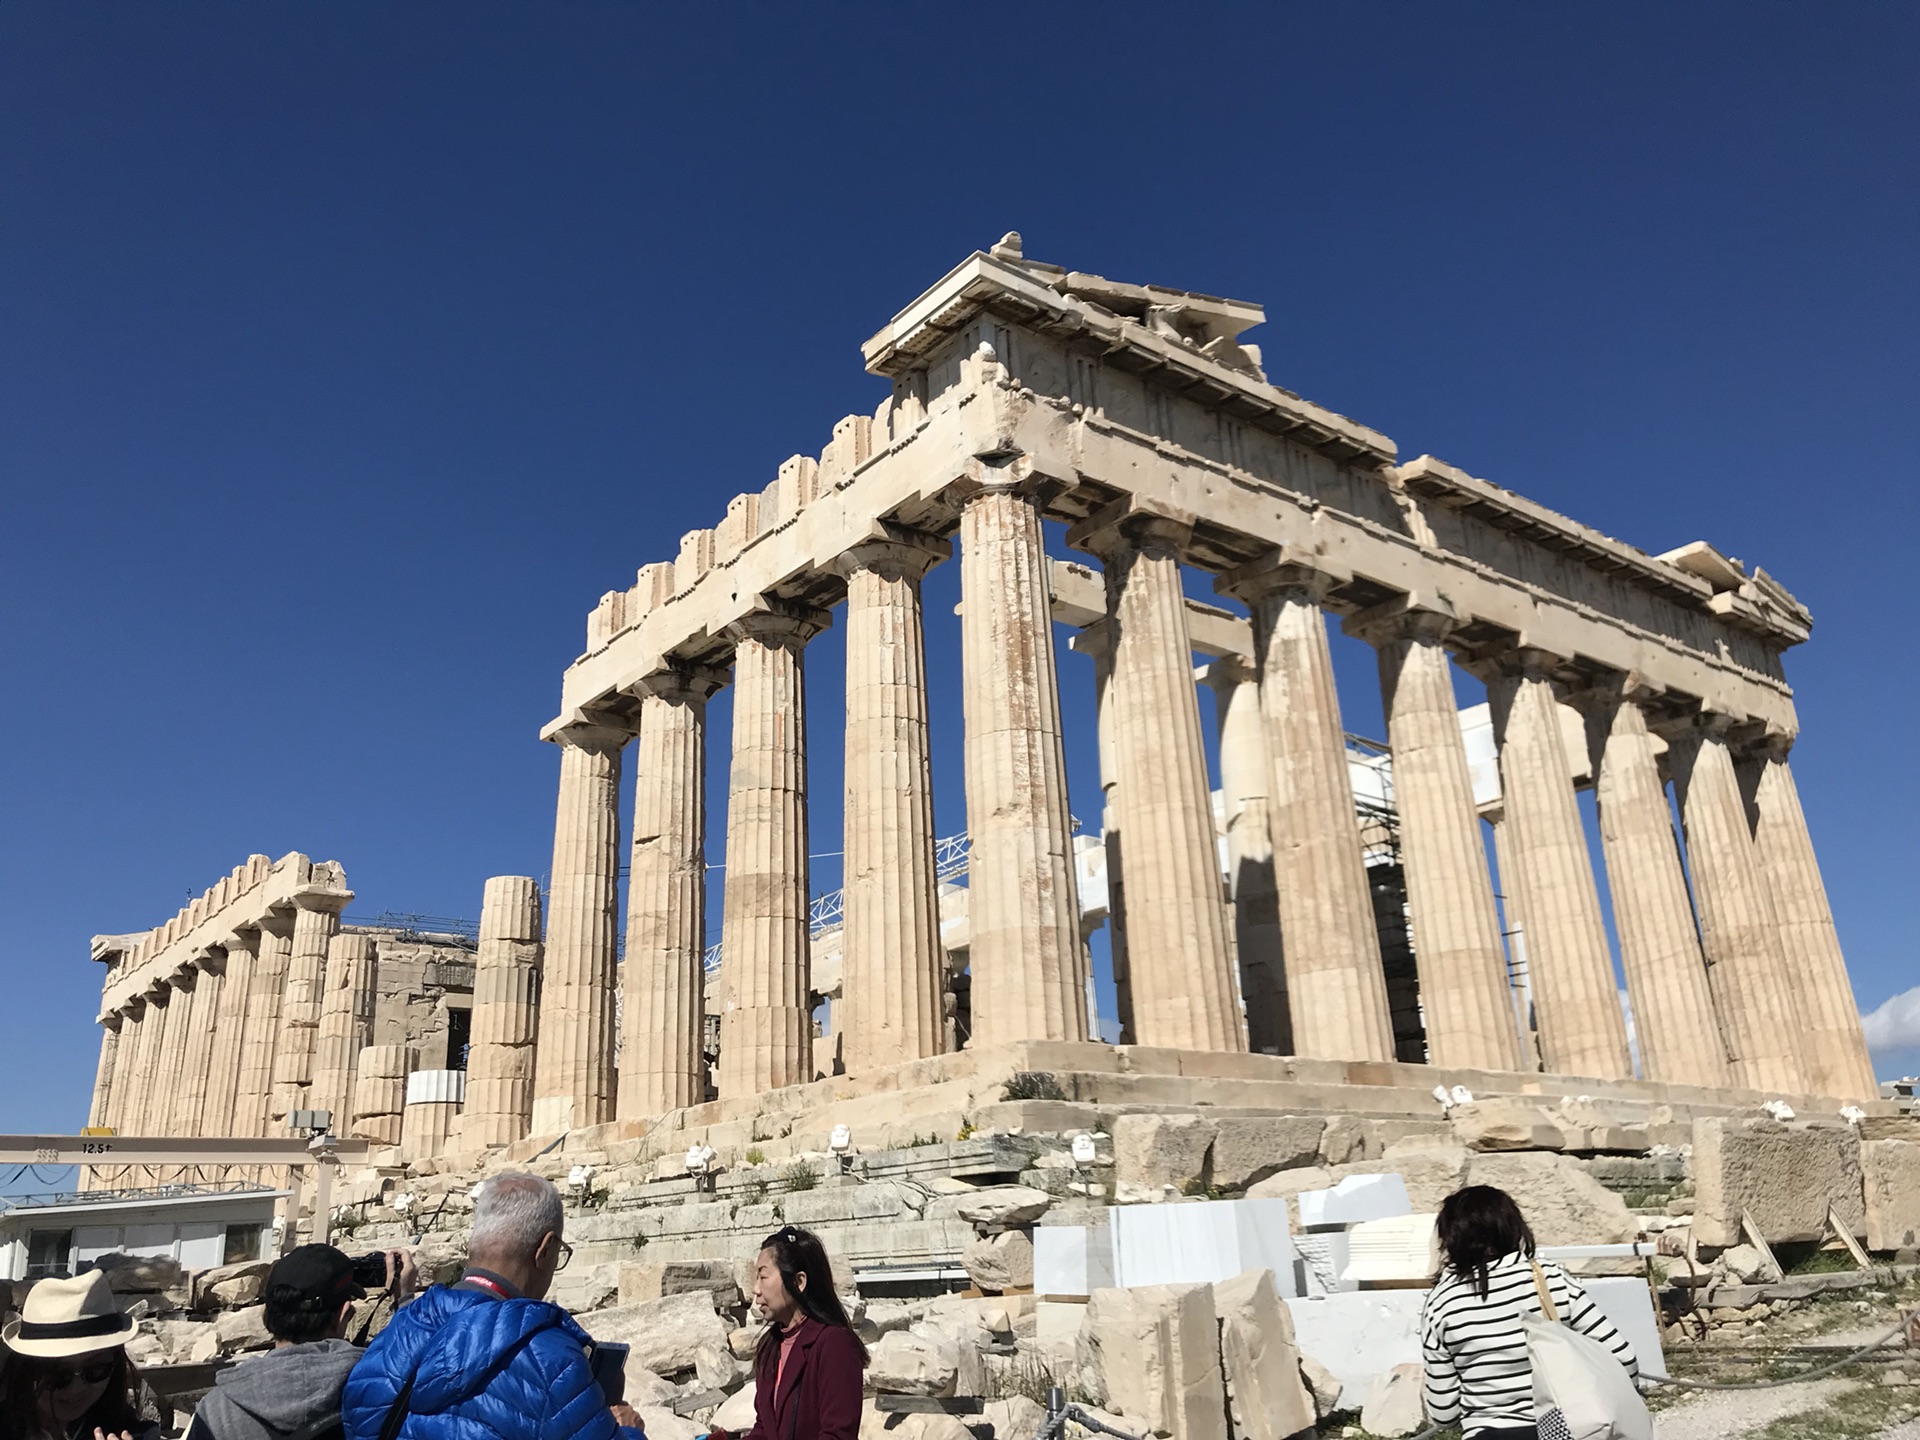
(1479, 1224)
(117, 1409)
(798, 1252)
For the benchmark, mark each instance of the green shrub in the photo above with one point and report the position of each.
(1032, 1085)
(799, 1176)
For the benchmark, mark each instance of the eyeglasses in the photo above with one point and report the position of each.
(65, 1377)
(566, 1254)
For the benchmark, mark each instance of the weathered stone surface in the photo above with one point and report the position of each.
(662, 1424)
(140, 1274)
(1747, 1265)
(1248, 1150)
(744, 1341)
(646, 1388)
(1785, 1175)
(591, 1287)
(1891, 1174)
(1014, 1418)
(1000, 1262)
(1323, 1384)
(1505, 1125)
(1393, 1404)
(1431, 1172)
(651, 1282)
(1289, 1183)
(1266, 1398)
(736, 1416)
(666, 1334)
(1347, 1138)
(998, 1205)
(715, 1367)
(1150, 1151)
(904, 1363)
(1156, 1353)
(242, 1330)
(1563, 1204)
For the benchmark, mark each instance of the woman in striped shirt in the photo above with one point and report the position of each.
(1471, 1338)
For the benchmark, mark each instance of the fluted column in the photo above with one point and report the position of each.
(204, 985)
(1028, 965)
(1514, 932)
(130, 1069)
(253, 1099)
(316, 920)
(1832, 1045)
(102, 1105)
(225, 1059)
(346, 1025)
(1336, 991)
(161, 1064)
(1746, 966)
(1576, 1003)
(1095, 641)
(893, 980)
(1246, 778)
(1184, 995)
(766, 1026)
(1464, 995)
(573, 1076)
(1673, 1011)
(506, 1014)
(662, 1066)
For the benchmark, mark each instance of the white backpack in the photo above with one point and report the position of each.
(1580, 1391)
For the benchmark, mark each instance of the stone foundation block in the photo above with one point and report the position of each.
(1785, 1175)
(1156, 1354)
(1250, 1149)
(1151, 1151)
(1891, 1169)
(1266, 1398)
(1564, 1205)
(666, 1334)
(1505, 1125)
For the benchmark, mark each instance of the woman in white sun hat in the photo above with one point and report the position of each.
(67, 1375)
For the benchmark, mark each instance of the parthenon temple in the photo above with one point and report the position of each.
(1023, 397)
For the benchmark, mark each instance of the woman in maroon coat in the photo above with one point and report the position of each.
(807, 1370)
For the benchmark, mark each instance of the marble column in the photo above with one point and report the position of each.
(229, 1039)
(346, 1025)
(1832, 1045)
(893, 980)
(1467, 1003)
(1576, 1003)
(766, 1023)
(253, 1098)
(316, 920)
(102, 1105)
(662, 1066)
(203, 986)
(1335, 988)
(1095, 641)
(505, 1022)
(1746, 965)
(1514, 932)
(160, 1062)
(131, 1077)
(1183, 990)
(1027, 964)
(1246, 780)
(506, 1014)
(1673, 1012)
(573, 1074)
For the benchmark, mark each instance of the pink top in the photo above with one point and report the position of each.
(787, 1338)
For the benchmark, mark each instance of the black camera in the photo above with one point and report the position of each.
(370, 1271)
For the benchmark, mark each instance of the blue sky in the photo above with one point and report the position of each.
(348, 353)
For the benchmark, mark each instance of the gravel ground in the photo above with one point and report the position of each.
(1719, 1415)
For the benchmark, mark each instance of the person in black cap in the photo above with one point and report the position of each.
(293, 1391)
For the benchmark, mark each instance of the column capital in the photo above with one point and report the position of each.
(1405, 617)
(599, 738)
(323, 899)
(681, 684)
(1282, 572)
(894, 553)
(782, 623)
(210, 963)
(1513, 660)
(112, 1020)
(1095, 641)
(1224, 672)
(1132, 522)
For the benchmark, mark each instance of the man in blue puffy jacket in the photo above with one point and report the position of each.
(489, 1356)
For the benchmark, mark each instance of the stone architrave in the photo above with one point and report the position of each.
(1026, 960)
(254, 1095)
(1746, 967)
(1178, 960)
(224, 1060)
(205, 984)
(574, 1075)
(1832, 1044)
(316, 920)
(894, 977)
(1464, 996)
(1576, 1005)
(1336, 991)
(662, 1064)
(1673, 1010)
(1246, 777)
(346, 1025)
(1096, 643)
(766, 1023)
(101, 1107)
(506, 1014)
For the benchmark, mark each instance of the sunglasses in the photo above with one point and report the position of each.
(65, 1377)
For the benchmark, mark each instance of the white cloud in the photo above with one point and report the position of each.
(1896, 1024)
